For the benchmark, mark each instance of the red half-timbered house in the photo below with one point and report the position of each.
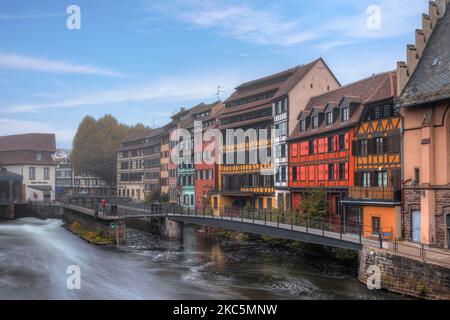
(320, 148)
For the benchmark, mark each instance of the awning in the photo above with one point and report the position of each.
(41, 188)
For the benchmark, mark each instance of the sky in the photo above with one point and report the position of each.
(142, 60)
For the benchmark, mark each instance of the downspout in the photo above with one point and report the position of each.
(402, 177)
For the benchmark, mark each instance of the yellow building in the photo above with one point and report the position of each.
(374, 202)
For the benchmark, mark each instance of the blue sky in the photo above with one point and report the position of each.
(141, 60)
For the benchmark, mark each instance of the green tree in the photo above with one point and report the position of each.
(95, 146)
(315, 204)
(153, 196)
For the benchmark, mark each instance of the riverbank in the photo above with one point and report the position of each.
(93, 237)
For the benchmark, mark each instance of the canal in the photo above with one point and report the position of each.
(35, 254)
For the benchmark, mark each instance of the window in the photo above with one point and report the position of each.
(216, 204)
(46, 174)
(417, 175)
(363, 147)
(342, 142)
(315, 122)
(382, 179)
(379, 145)
(269, 203)
(261, 203)
(366, 179)
(376, 225)
(38, 156)
(283, 150)
(345, 114)
(302, 125)
(329, 118)
(32, 173)
(331, 172)
(294, 173)
(283, 174)
(342, 171)
(330, 144)
(311, 147)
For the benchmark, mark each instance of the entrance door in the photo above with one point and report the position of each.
(416, 227)
(448, 231)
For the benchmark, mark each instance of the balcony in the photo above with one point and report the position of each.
(374, 193)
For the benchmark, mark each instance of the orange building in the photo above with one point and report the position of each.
(321, 148)
(424, 104)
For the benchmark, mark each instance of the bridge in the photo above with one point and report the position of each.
(318, 231)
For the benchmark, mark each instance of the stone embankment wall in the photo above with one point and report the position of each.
(406, 276)
(162, 226)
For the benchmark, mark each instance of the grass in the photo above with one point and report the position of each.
(95, 237)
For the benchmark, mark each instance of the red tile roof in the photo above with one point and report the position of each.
(370, 90)
(44, 142)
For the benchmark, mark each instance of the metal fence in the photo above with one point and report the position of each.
(420, 251)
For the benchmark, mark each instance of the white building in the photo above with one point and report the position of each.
(32, 157)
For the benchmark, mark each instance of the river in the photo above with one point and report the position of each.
(35, 254)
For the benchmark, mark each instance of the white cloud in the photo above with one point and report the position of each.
(240, 21)
(15, 61)
(274, 24)
(396, 17)
(176, 89)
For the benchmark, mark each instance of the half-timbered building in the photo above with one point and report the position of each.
(320, 151)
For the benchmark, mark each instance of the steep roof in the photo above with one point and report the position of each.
(430, 81)
(278, 84)
(370, 90)
(44, 142)
(374, 88)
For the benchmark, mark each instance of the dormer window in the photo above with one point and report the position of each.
(315, 122)
(345, 114)
(303, 125)
(329, 118)
(38, 156)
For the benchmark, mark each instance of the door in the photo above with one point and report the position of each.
(416, 227)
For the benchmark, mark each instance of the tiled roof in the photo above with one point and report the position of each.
(278, 84)
(136, 136)
(44, 142)
(376, 88)
(431, 79)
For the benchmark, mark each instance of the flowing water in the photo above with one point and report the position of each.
(35, 255)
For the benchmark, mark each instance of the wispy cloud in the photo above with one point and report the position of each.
(15, 61)
(10, 126)
(239, 21)
(173, 89)
(276, 24)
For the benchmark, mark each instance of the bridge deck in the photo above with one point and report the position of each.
(268, 228)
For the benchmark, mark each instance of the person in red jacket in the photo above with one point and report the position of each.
(103, 203)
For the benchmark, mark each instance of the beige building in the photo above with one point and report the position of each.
(130, 166)
(32, 157)
(424, 102)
